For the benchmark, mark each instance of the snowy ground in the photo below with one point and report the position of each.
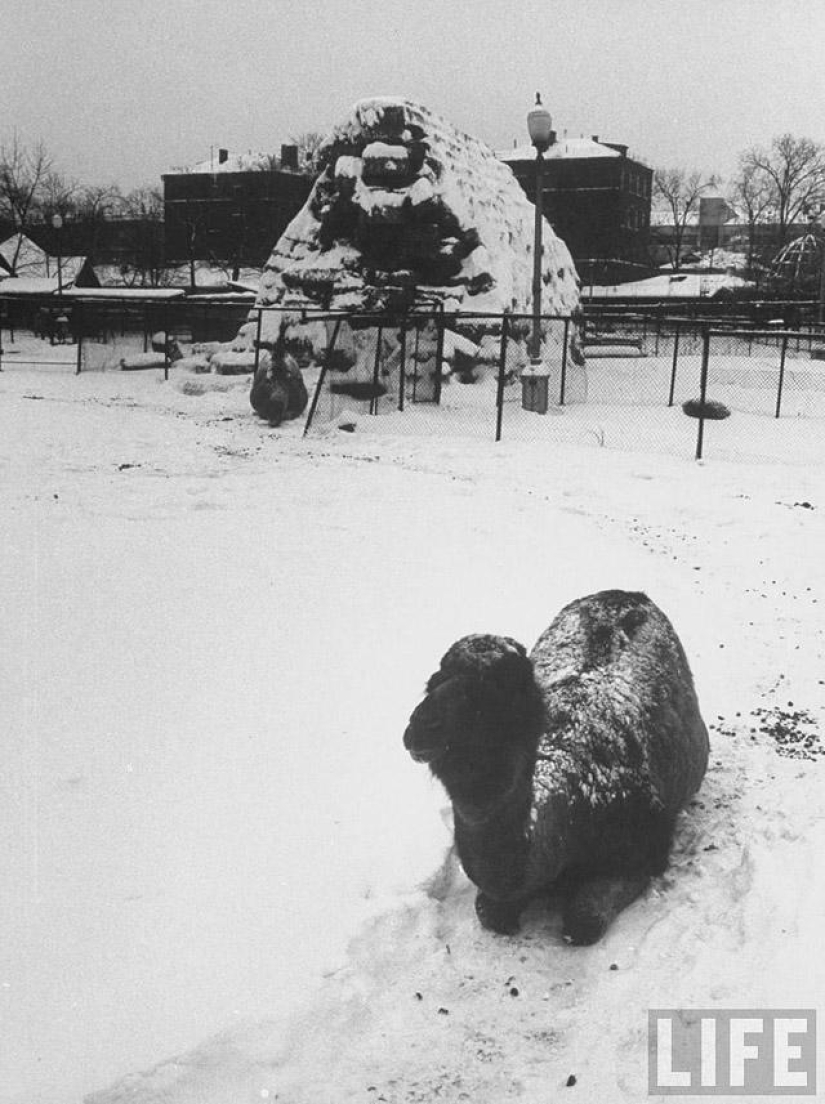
(215, 633)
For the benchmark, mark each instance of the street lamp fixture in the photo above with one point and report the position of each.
(540, 129)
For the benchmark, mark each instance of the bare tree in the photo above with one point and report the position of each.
(144, 207)
(793, 172)
(195, 225)
(97, 202)
(23, 171)
(94, 205)
(751, 195)
(309, 144)
(676, 193)
(57, 196)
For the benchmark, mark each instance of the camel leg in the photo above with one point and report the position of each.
(498, 916)
(596, 901)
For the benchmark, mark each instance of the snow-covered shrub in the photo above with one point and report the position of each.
(710, 408)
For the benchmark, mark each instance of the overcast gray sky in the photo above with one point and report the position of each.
(122, 90)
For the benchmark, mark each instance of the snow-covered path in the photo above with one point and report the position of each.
(215, 634)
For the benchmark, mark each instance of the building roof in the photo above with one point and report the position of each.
(251, 161)
(20, 253)
(563, 148)
(142, 293)
(35, 263)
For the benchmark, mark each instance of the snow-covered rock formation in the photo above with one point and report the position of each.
(409, 210)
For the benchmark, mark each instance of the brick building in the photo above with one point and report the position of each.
(597, 199)
(233, 207)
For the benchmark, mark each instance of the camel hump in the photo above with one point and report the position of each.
(601, 626)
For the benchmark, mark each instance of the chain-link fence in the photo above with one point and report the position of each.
(111, 332)
(678, 385)
(438, 373)
(761, 387)
(647, 385)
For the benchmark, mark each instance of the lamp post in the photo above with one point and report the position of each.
(540, 128)
(57, 223)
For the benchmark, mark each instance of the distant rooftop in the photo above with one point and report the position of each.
(564, 148)
(224, 161)
(289, 157)
(30, 262)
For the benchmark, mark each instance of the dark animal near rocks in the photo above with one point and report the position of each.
(278, 390)
(566, 769)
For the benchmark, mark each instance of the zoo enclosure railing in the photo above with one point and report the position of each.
(107, 330)
(411, 367)
(639, 369)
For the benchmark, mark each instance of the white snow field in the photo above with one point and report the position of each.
(223, 879)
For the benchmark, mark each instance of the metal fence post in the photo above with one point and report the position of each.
(79, 336)
(564, 362)
(703, 390)
(258, 340)
(376, 370)
(415, 361)
(673, 366)
(322, 376)
(402, 370)
(439, 352)
(502, 369)
(781, 374)
(166, 341)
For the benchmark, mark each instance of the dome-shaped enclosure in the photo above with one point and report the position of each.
(796, 268)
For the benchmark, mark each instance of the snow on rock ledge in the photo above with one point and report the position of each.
(407, 210)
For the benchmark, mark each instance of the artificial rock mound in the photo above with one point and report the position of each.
(407, 210)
